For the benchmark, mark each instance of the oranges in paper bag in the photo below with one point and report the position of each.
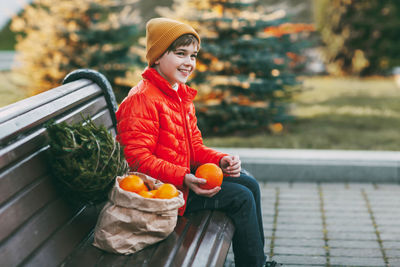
(166, 191)
(212, 173)
(135, 184)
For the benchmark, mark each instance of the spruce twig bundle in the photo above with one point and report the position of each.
(85, 159)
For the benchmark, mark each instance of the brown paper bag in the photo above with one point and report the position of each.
(128, 222)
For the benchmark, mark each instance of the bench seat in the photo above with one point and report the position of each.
(189, 244)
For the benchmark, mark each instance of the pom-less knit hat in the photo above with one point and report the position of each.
(161, 33)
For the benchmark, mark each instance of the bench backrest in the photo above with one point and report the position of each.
(37, 227)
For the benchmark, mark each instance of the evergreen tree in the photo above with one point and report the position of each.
(360, 37)
(242, 73)
(7, 38)
(57, 37)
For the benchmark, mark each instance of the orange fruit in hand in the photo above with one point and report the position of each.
(133, 184)
(166, 191)
(212, 173)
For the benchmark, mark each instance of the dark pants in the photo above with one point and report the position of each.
(240, 199)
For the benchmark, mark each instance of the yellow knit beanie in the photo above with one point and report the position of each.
(161, 33)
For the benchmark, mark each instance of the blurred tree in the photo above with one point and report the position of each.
(55, 38)
(7, 38)
(298, 11)
(360, 37)
(242, 76)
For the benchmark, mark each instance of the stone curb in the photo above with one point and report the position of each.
(312, 165)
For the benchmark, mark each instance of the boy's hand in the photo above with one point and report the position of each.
(231, 165)
(194, 184)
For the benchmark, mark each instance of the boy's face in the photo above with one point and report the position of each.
(176, 66)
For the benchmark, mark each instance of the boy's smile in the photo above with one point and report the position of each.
(176, 66)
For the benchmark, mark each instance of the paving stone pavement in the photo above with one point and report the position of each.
(331, 224)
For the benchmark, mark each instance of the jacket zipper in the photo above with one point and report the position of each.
(188, 138)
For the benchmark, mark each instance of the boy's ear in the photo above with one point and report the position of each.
(158, 59)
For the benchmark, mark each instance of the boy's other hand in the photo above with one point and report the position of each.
(231, 165)
(194, 184)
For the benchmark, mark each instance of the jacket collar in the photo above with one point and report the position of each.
(185, 92)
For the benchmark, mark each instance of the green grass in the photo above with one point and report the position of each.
(335, 113)
(10, 89)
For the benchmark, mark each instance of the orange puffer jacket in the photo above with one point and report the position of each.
(158, 128)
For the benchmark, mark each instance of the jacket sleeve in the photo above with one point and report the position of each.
(202, 153)
(138, 124)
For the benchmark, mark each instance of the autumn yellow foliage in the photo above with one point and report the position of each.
(56, 37)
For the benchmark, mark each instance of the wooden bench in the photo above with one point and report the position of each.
(39, 228)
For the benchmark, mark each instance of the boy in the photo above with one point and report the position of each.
(157, 126)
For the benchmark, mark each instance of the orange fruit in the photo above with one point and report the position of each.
(133, 183)
(166, 191)
(212, 173)
(153, 192)
(147, 194)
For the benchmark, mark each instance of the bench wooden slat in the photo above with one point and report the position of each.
(102, 118)
(27, 104)
(85, 255)
(35, 117)
(65, 240)
(22, 147)
(217, 237)
(94, 109)
(21, 208)
(109, 259)
(36, 140)
(142, 258)
(33, 233)
(187, 251)
(22, 174)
